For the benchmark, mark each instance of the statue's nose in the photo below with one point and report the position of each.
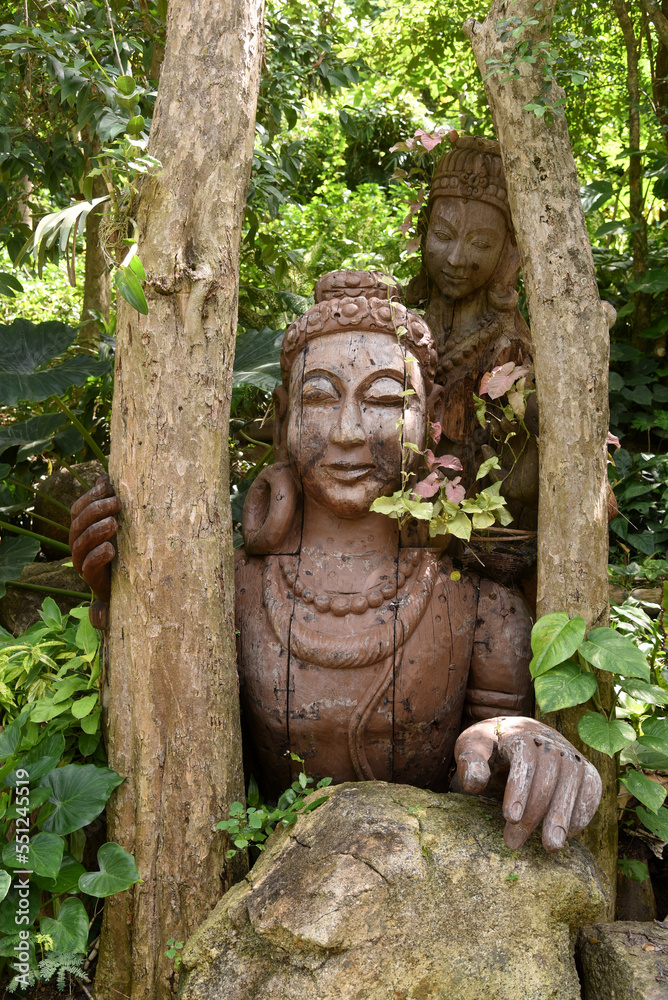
(457, 256)
(348, 429)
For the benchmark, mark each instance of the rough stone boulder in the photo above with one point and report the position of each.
(387, 892)
(627, 960)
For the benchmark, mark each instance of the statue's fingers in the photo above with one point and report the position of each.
(587, 801)
(558, 819)
(96, 572)
(99, 491)
(520, 752)
(95, 511)
(93, 536)
(473, 750)
(540, 792)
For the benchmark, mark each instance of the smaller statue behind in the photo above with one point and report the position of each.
(365, 657)
(467, 286)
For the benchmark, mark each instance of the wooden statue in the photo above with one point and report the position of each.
(365, 657)
(466, 285)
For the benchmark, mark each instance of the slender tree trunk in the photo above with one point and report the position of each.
(97, 284)
(173, 719)
(571, 352)
(636, 198)
(660, 95)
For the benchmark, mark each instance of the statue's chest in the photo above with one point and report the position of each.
(359, 696)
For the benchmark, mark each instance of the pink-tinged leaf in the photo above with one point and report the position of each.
(435, 431)
(427, 487)
(454, 492)
(613, 440)
(500, 379)
(400, 146)
(453, 135)
(428, 141)
(445, 462)
(413, 245)
(406, 227)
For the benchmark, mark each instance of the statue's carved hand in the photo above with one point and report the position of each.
(93, 527)
(548, 779)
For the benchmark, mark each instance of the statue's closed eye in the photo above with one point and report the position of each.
(384, 392)
(319, 389)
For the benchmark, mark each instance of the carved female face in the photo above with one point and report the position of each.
(463, 245)
(345, 401)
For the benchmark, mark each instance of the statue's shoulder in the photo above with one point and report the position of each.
(247, 572)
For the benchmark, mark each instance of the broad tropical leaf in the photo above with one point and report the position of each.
(15, 553)
(564, 687)
(257, 359)
(608, 737)
(554, 638)
(608, 650)
(69, 932)
(118, 871)
(26, 349)
(79, 793)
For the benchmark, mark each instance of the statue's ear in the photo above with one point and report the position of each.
(280, 424)
(436, 404)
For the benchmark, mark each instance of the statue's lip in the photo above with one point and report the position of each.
(348, 472)
(453, 277)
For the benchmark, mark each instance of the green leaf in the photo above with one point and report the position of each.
(655, 735)
(67, 877)
(554, 639)
(25, 351)
(79, 793)
(635, 870)
(608, 650)
(10, 907)
(5, 883)
(656, 824)
(487, 466)
(649, 694)
(649, 792)
(51, 614)
(41, 759)
(15, 554)
(44, 855)
(84, 706)
(564, 687)
(118, 871)
(87, 637)
(608, 737)
(70, 931)
(10, 737)
(129, 286)
(125, 85)
(91, 723)
(257, 359)
(34, 435)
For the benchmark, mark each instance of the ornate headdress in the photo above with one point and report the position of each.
(472, 169)
(364, 300)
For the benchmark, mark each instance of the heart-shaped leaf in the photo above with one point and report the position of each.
(657, 824)
(79, 793)
(650, 793)
(608, 737)
(69, 932)
(43, 857)
(564, 687)
(554, 639)
(118, 871)
(608, 650)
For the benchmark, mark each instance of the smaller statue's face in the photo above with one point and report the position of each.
(346, 403)
(463, 245)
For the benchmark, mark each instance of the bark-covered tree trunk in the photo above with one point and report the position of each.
(632, 44)
(97, 284)
(571, 352)
(173, 722)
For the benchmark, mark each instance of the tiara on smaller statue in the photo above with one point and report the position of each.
(472, 169)
(364, 300)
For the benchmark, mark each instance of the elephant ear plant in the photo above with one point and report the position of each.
(55, 420)
(635, 730)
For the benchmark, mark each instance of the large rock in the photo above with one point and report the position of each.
(627, 960)
(19, 608)
(387, 892)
